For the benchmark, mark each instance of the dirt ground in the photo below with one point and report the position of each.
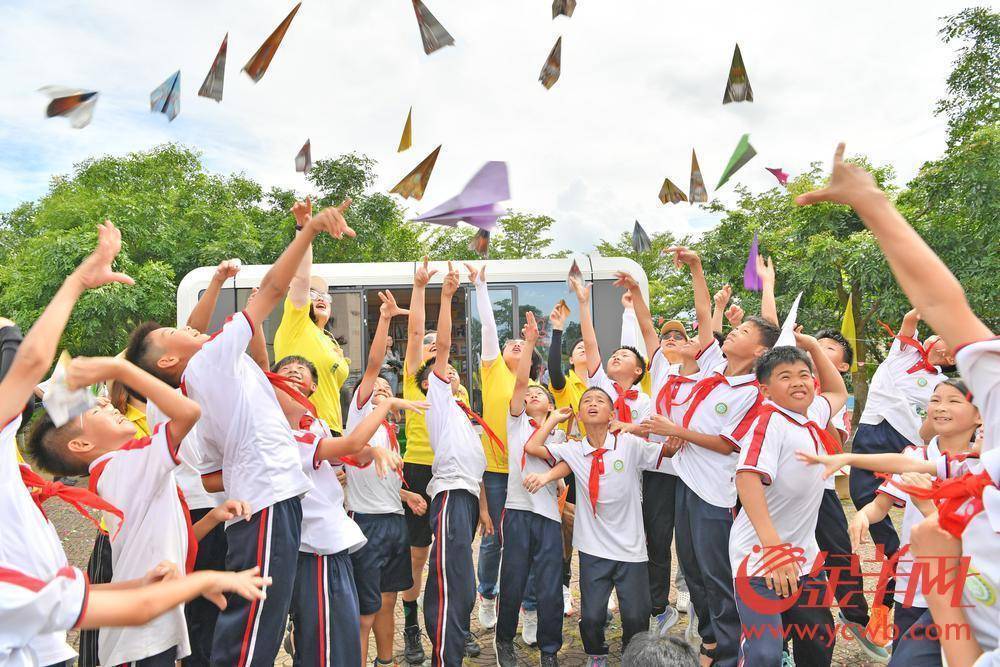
(78, 534)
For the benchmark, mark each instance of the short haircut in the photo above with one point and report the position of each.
(639, 358)
(839, 339)
(296, 359)
(648, 650)
(537, 365)
(783, 354)
(545, 390)
(424, 374)
(720, 337)
(143, 353)
(768, 331)
(47, 446)
(590, 390)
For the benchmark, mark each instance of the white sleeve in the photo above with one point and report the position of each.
(979, 364)
(646, 455)
(600, 379)
(631, 333)
(761, 453)
(308, 444)
(356, 412)
(440, 398)
(490, 337)
(227, 346)
(710, 358)
(30, 607)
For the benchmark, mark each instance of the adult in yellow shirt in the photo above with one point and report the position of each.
(302, 332)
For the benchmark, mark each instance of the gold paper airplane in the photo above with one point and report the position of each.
(413, 183)
(553, 66)
(738, 85)
(257, 65)
(672, 193)
(406, 140)
(698, 192)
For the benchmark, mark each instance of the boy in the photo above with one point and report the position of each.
(780, 497)
(247, 447)
(459, 463)
(938, 296)
(608, 526)
(530, 531)
(382, 565)
(718, 413)
(137, 477)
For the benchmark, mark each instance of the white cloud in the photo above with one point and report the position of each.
(641, 85)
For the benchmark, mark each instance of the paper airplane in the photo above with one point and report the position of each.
(563, 7)
(406, 140)
(574, 272)
(698, 192)
(62, 403)
(259, 62)
(738, 85)
(751, 280)
(672, 193)
(167, 98)
(553, 66)
(778, 174)
(413, 183)
(640, 240)
(431, 31)
(787, 336)
(304, 160)
(74, 104)
(480, 243)
(744, 153)
(212, 87)
(476, 204)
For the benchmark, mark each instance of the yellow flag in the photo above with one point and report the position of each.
(406, 139)
(850, 333)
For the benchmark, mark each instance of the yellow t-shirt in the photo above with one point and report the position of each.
(138, 418)
(569, 397)
(298, 335)
(498, 386)
(418, 443)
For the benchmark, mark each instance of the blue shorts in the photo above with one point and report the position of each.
(383, 564)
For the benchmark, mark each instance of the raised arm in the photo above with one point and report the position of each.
(720, 301)
(448, 289)
(587, 325)
(376, 353)
(38, 349)
(908, 327)
(702, 297)
(416, 320)
(642, 314)
(257, 347)
(768, 305)
(530, 335)
(298, 290)
(201, 316)
(558, 320)
(927, 282)
(331, 449)
(535, 446)
(276, 281)
(490, 336)
(831, 382)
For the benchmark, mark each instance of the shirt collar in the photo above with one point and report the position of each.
(106, 456)
(609, 444)
(794, 416)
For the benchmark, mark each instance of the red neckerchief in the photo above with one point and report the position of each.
(819, 435)
(495, 441)
(701, 390)
(524, 453)
(924, 364)
(621, 403)
(596, 470)
(666, 398)
(42, 489)
(285, 385)
(192, 550)
(957, 500)
(306, 421)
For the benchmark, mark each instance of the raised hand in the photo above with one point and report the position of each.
(561, 415)
(302, 210)
(389, 307)
(625, 281)
(423, 274)
(227, 269)
(476, 275)
(734, 315)
(331, 220)
(85, 371)
(765, 270)
(582, 291)
(849, 184)
(722, 297)
(685, 256)
(451, 282)
(560, 312)
(530, 330)
(95, 270)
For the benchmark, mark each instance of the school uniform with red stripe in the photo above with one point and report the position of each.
(31, 608)
(138, 479)
(632, 405)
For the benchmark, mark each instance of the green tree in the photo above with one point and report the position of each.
(973, 99)
(516, 236)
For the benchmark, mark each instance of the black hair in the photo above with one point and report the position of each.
(641, 359)
(646, 649)
(720, 337)
(47, 446)
(783, 354)
(589, 390)
(768, 331)
(143, 353)
(959, 384)
(296, 359)
(537, 364)
(424, 374)
(545, 390)
(832, 334)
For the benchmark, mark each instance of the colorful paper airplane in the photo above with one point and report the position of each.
(413, 183)
(259, 62)
(212, 86)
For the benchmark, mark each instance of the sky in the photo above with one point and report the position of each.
(641, 85)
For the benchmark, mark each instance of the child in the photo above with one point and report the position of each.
(247, 447)
(459, 463)
(530, 533)
(137, 477)
(939, 297)
(608, 529)
(780, 497)
(718, 413)
(382, 565)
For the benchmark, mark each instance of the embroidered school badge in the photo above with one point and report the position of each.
(721, 408)
(619, 466)
(980, 589)
(921, 382)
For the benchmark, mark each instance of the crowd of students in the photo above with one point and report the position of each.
(240, 504)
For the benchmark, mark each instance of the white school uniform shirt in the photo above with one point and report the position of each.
(545, 502)
(615, 531)
(366, 492)
(728, 410)
(793, 489)
(187, 476)
(640, 407)
(28, 540)
(842, 422)
(979, 364)
(242, 430)
(459, 460)
(31, 608)
(138, 479)
(326, 528)
(911, 517)
(899, 396)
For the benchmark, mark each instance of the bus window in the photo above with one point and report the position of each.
(541, 298)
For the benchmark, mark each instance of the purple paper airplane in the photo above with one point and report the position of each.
(751, 280)
(476, 204)
(778, 174)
